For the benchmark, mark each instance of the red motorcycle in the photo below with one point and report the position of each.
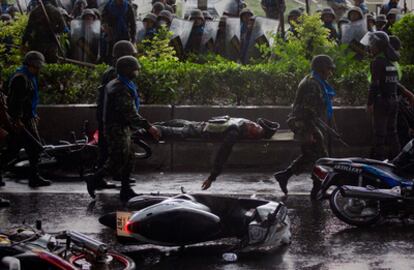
(26, 248)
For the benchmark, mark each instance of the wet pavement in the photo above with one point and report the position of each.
(319, 240)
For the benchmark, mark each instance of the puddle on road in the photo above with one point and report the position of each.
(319, 240)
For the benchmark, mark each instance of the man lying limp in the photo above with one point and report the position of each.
(226, 129)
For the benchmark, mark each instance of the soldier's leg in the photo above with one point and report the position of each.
(392, 133)
(126, 192)
(35, 180)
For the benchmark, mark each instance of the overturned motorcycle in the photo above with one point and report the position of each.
(27, 248)
(330, 172)
(182, 220)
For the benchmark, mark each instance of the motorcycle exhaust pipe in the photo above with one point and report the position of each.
(369, 194)
(93, 245)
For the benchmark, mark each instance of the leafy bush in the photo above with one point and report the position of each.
(404, 29)
(211, 79)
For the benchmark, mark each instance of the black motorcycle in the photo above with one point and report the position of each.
(332, 172)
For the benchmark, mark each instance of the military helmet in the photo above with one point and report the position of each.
(171, 2)
(88, 12)
(322, 61)
(328, 11)
(381, 18)
(150, 17)
(356, 10)
(127, 63)
(5, 17)
(158, 6)
(34, 58)
(169, 8)
(123, 48)
(370, 17)
(269, 127)
(196, 14)
(295, 13)
(343, 20)
(246, 11)
(165, 14)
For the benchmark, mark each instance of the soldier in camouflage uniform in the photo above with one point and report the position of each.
(22, 107)
(121, 48)
(121, 119)
(313, 102)
(38, 35)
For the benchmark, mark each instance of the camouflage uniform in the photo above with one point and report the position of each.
(38, 35)
(121, 119)
(309, 105)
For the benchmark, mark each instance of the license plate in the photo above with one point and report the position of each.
(122, 219)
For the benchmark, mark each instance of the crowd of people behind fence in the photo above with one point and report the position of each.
(228, 28)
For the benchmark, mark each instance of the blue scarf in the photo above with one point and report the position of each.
(132, 87)
(198, 30)
(391, 6)
(120, 13)
(33, 79)
(328, 92)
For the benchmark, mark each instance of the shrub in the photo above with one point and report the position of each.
(404, 29)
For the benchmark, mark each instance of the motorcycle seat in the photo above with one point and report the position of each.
(355, 160)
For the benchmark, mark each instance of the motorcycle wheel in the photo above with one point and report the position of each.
(117, 262)
(350, 210)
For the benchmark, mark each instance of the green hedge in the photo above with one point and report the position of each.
(212, 80)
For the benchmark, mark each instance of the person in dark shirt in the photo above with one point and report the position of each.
(22, 107)
(225, 129)
(382, 97)
(121, 48)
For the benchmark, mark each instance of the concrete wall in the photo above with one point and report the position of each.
(58, 121)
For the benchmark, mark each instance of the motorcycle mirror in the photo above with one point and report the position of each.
(38, 225)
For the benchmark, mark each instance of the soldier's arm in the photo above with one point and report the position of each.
(223, 153)
(59, 23)
(16, 97)
(126, 107)
(378, 74)
(313, 97)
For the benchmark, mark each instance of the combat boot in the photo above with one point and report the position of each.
(282, 177)
(37, 181)
(127, 193)
(94, 182)
(4, 203)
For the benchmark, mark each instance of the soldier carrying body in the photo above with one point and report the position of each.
(121, 119)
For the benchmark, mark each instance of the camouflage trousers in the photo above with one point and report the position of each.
(311, 151)
(120, 154)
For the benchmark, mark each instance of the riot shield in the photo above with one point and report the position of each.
(263, 31)
(140, 32)
(85, 37)
(209, 36)
(181, 30)
(353, 31)
(233, 38)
